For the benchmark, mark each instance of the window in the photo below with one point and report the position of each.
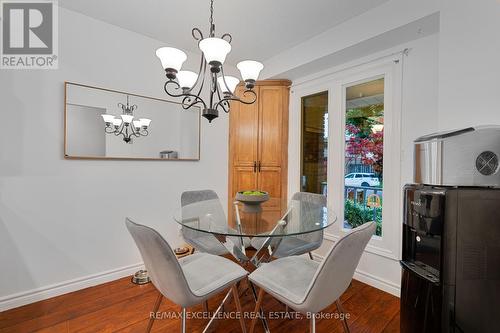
(314, 145)
(364, 140)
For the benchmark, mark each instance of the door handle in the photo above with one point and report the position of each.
(260, 165)
(254, 166)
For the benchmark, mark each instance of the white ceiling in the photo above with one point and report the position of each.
(260, 28)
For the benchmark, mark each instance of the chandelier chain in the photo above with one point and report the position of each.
(211, 13)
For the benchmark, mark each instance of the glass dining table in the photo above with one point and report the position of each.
(205, 223)
(264, 231)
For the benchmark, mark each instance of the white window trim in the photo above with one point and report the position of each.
(389, 67)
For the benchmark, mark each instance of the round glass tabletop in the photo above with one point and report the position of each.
(301, 217)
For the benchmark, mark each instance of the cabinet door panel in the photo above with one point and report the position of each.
(244, 178)
(271, 125)
(269, 180)
(243, 124)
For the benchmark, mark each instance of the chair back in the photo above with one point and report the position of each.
(161, 263)
(337, 269)
(212, 213)
(189, 197)
(320, 200)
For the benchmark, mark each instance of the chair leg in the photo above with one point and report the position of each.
(155, 309)
(183, 320)
(217, 311)
(256, 311)
(311, 256)
(205, 306)
(344, 320)
(312, 324)
(238, 308)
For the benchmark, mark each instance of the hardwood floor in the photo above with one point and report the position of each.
(121, 306)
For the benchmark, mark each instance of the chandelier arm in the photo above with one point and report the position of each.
(186, 96)
(200, 71)
(228, 36)
(176, 85)
(197, 99)
(122, 106)
(134, 132)
(186, 102)
(226, 107)
(203, 65)
(222, 104)
(224, 79)
(237, 99)
(142, 132)
(119, 130)
(109, 130)
(198, 32)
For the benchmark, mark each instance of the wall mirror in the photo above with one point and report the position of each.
(108, 124)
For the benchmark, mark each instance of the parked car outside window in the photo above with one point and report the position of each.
(362, 179)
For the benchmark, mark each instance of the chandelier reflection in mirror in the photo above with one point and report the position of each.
(126, 125)
(189, 85)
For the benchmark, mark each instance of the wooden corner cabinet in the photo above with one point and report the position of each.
(258, 146)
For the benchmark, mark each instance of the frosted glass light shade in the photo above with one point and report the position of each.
(187, 79)
(127, 119)
(250, 69)
(108, 118)
(137, 124)
(231, 81)
(117, 121)
(145, 122)
(215, 49)
(171, 58)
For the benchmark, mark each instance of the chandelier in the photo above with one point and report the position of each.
(125, 125)
(189, 85)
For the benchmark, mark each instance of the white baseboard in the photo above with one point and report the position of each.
(378, 282)
(371, 280)
(39, 294)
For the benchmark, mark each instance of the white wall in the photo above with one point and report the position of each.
(469, 65)
(418, 117)
(62, 221)
(381, 20)
(87, 136)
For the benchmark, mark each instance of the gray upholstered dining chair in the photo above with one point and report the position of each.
(188, 281)
(299, 244)
(201, 241)
(309, 287)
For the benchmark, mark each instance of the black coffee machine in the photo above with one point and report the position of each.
(451, 237)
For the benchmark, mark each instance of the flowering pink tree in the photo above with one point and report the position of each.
(365, 147)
